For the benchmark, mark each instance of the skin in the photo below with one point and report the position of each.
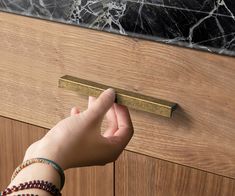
(76, 141)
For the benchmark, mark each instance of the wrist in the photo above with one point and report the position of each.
(43, 149)
(36, 171)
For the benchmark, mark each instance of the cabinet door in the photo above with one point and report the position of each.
(200, 134)
(140, 175)
(16, 136)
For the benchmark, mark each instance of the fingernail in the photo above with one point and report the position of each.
(111, 90)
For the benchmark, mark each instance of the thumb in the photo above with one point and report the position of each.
(102, 104)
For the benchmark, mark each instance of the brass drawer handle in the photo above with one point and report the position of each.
(130, 99)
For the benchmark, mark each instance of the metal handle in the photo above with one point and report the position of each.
(129, 99)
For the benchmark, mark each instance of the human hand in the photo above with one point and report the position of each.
(76, 141)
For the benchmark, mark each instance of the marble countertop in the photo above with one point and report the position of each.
(202, 24)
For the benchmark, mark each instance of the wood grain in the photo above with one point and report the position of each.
(90, 181)
(16, 136)
(140, 175)
(35, 53)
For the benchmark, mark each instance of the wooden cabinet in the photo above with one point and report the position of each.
(138, 175)
(194, 152)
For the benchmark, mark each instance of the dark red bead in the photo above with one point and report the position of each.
(40, 184)
(21, 188)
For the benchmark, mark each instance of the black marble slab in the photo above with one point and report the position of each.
(202, 24)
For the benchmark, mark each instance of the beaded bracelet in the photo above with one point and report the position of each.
(36, 184)
(24, 194)
(27, 194)
(41, 160)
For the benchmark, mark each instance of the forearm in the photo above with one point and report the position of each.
(36, 171)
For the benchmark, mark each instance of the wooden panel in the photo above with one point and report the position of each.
(140, 175)
(91, 181)
(35, 53)
(16, 136)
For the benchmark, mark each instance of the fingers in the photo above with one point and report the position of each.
(110, 116)
(116, 143)
(125, 128)
(112, 122)
(101, 105)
